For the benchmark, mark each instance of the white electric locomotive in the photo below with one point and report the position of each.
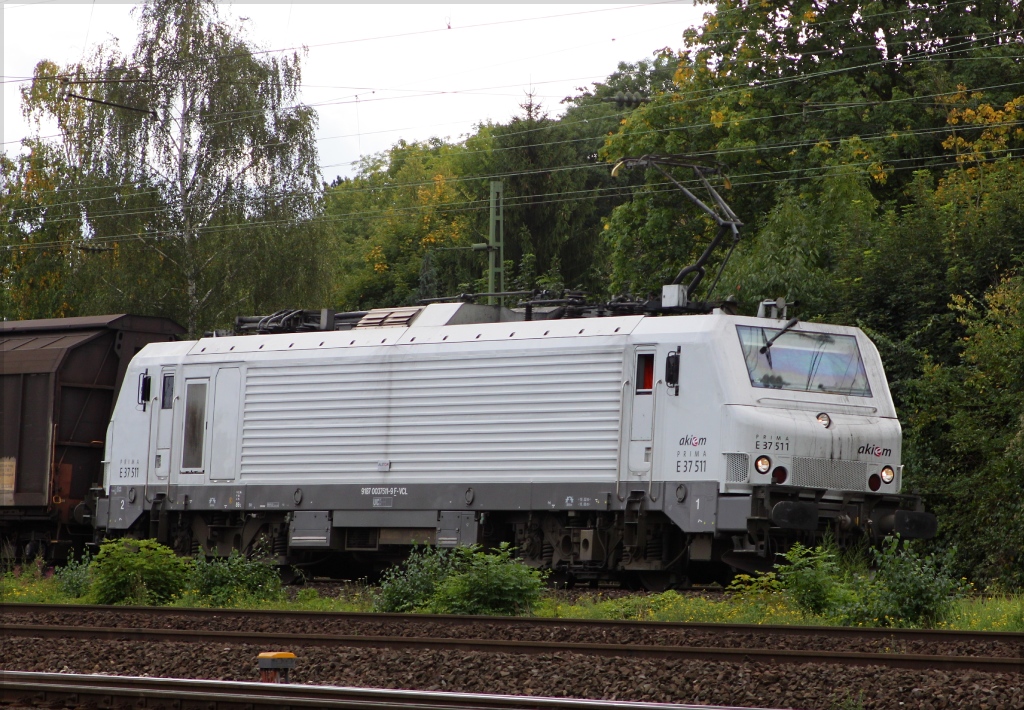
(599, 447)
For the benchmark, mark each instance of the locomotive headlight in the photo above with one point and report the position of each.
(888, 474)
(824, 419)
(763, 464)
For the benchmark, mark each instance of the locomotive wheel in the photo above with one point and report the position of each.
(655, 581)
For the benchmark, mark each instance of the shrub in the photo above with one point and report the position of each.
(224, 581)
(908, 589)
(488, 583)
(137, 572)
(463, 580)
(409, 586)
(73, 577)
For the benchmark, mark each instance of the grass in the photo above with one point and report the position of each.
(1003, 613)
(976, 613)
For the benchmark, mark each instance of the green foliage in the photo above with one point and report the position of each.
(908, 589)
(967, 439)
(754, 586)
(464, 580)
(137, 572)
(848, 702)
(411, 585)
(227, 581)
(307, 595)
(73, 578)
(901, 587)
(811, 578)
(488, 583)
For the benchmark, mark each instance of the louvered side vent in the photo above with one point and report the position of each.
(830, 474)
(737, 467)
(361, 539)
(389, 317)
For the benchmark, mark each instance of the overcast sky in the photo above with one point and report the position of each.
(378, 73)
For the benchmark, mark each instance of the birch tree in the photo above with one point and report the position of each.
(194, 163)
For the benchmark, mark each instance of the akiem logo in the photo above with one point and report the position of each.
(872, 450)
(693, 441)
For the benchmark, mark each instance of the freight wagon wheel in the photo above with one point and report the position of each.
(290, 575)
(34, 549)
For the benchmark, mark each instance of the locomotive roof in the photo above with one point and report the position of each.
(440, 323)
(432, 330)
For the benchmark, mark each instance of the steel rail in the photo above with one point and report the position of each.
(291, 641)
(105, 691)
(848, 632)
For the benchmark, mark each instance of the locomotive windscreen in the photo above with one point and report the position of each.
(804, 362)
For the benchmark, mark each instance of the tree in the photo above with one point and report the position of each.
(39, 260)
(763, 87)
(968, 438)
(402, 227)
(203, 174)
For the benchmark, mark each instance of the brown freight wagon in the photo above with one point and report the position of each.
(60, 378)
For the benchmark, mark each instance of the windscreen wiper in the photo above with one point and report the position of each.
(767, 346)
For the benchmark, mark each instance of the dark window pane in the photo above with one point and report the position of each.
(644, 373)
(167, 393)
(195, 425)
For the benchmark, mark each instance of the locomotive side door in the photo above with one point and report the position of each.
(164, 404)
(224, 424)
(191, 431)
(642, 403)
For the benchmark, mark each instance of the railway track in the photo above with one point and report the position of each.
(57, 690)
(932, 636)
(403, 637)
(734, 655)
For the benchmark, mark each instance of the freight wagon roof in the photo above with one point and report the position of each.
(117, 321)
(39, 352)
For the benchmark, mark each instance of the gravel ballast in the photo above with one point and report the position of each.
(805, 686)
(415, 626)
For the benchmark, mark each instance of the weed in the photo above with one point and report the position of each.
(811, 578)
(847, 702)
(409, 586)
(73, 578)
(307, 595)
(226, 581)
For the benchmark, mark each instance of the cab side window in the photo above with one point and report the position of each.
(644, 373)
(167, 392)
